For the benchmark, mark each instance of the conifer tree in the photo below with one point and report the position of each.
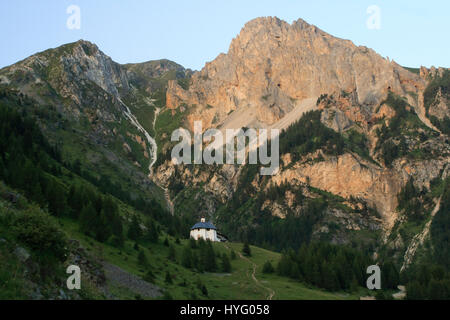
(134, 232)
(226, 265)
(246, 251)
(142, 258)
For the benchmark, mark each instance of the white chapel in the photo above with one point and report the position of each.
(205, 230)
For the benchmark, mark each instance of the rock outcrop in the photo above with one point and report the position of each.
(349, 176)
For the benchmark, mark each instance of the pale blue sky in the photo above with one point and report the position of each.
(192, 32)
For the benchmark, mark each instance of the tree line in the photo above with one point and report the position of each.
(200, 256)
(333, 267)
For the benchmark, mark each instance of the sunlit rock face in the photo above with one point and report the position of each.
(272, 66)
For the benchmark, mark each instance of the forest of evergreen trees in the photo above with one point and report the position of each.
(429, 276)
(427, 281)
(260, 227)
(30, 164)
(392, 141)
(334, 268)
(309, 134)
(200, 256)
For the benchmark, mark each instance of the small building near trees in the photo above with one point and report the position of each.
(205, 230)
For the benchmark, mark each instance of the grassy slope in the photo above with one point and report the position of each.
(237, 285)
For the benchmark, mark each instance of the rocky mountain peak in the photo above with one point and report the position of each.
(88, 47)
(273, 67)
(67, 68)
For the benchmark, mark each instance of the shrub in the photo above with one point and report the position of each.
(38, 231)
(268, 268)
(246, 251)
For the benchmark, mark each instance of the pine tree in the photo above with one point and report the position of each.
(102, 227)
(168, 278)
(149, 276)
(246, 250)
(56, 199)
(192, 243)
(415, 291)
(86, 219)
(152, 232)
(268, 268)
(117, 229)
(201, 287)
(197, 262)
(186, 257)
(354, 286)
(208, 257)
(204, 290)
(172, 253)
(284, 266)
(142, 258)
(226, 265)
(134, 232)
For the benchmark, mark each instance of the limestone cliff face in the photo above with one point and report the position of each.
(440, 108)
(350, 176)
(272, 66)
(274, 71)
(215, 186)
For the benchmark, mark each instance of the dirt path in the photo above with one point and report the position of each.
(253, 275)
(258, 283)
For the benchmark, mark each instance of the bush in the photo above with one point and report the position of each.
(13, 287)
(168, 278)
(142, 259)
(36, 230)
(172, 256)
(149, 276)
(226, 265)
(268, 268)
(246, 251)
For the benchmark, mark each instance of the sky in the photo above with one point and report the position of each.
(191, 33)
